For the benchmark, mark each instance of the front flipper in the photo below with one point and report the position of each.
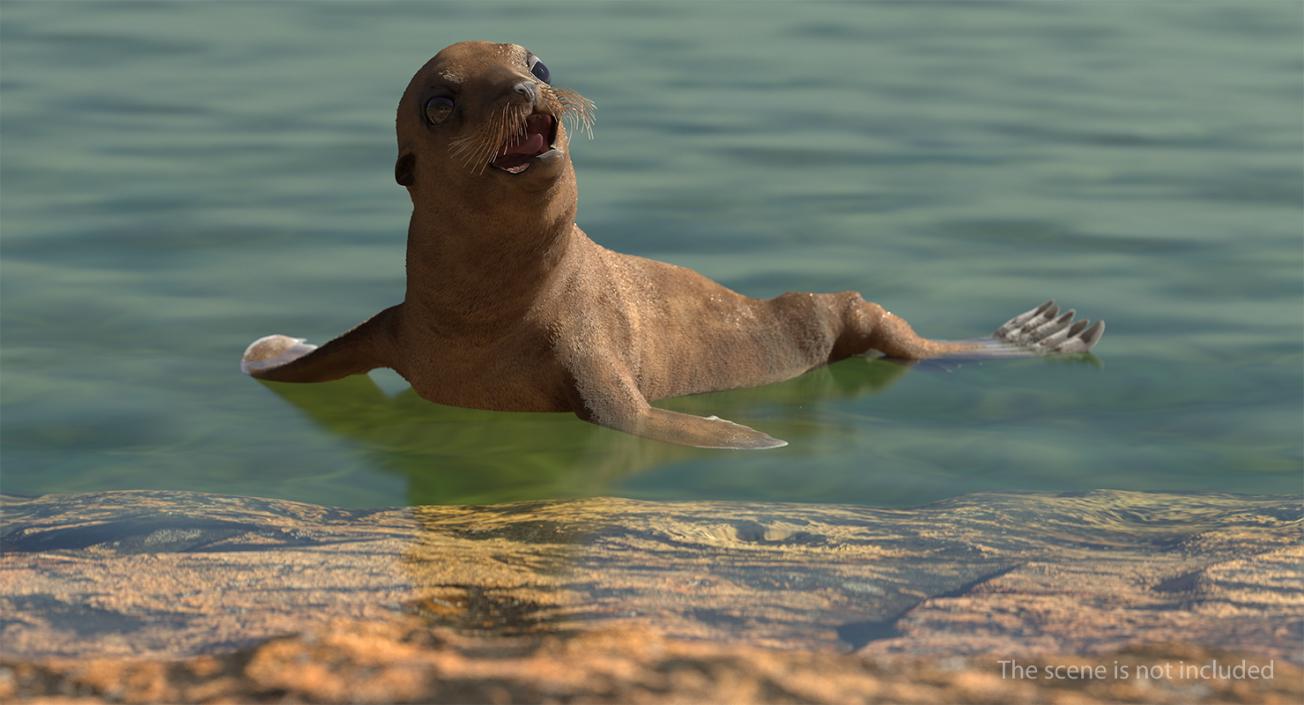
(279, 358)
(699, 431)
(1045, 330)
(608, 396)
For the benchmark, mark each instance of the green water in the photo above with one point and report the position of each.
(178, 180)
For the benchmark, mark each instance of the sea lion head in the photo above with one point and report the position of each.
(481, 121)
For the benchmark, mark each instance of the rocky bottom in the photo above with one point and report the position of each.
(1109, 596)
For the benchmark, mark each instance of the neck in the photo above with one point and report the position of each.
(467, 267)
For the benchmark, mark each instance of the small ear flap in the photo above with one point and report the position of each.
(403, 169)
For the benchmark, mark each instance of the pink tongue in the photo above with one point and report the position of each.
(531, 146)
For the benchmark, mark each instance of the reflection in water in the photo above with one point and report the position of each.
(449, 454)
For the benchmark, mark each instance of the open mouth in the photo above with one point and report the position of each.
(519, 151)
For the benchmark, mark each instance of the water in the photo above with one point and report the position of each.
(179, 180)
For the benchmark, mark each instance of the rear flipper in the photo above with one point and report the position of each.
(1041, 331)
(1045, 330)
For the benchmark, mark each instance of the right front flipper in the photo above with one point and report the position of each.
(272, 351)
(279, 358)
(613, 400)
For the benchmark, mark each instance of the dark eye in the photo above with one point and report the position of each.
(539, 70)
(438, 109)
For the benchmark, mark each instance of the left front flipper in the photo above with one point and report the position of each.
(608, 396)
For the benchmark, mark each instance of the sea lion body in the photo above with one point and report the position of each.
(511, 306)
(675, 331)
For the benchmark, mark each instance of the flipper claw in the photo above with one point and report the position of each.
(1056, 325)
(1020, 320)
(1083, 341)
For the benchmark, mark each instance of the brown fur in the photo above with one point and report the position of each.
(510, 306)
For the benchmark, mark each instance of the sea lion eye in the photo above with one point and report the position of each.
(539, 70)
(438, 109)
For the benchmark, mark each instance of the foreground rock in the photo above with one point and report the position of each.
(406, 661)
(177, 597)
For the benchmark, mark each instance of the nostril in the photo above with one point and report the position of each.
(525, 88)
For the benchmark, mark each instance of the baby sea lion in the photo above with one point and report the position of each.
(510, 306)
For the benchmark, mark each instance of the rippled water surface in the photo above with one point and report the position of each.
(181, 179)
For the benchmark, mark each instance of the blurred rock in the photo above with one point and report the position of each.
(406, 661)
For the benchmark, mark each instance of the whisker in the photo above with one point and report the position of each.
(478, 158)
(578, 112)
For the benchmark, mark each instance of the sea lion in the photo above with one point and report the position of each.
(510, 306)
